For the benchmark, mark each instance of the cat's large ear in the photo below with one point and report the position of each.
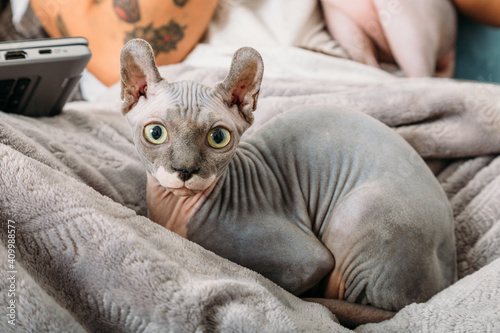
(242, 85)
(138, 71)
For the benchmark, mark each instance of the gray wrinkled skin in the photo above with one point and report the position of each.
(318, 189)
(317, 199)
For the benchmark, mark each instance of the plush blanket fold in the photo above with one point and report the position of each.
(104, 266)
(88, 260)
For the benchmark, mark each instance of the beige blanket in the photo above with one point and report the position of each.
(84, 258)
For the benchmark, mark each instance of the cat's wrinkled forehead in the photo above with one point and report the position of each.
(186, 100)
(191, 96)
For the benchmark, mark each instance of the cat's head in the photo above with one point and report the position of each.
(186, 133)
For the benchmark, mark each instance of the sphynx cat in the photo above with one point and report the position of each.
(314, 200)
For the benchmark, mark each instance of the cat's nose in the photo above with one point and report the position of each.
(184, 173)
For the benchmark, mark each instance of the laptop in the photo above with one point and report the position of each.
(38, 76)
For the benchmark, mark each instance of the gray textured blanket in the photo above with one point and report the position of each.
(78, 255)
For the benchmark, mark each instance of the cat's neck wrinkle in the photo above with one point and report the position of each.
(170, 211)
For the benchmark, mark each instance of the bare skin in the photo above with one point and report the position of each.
(173, 208)
(314, 200)
(173, 26)
(482, 11)
(375, 31)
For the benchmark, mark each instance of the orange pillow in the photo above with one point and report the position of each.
(172, 27)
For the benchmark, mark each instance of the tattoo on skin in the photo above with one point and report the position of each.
(180, 3)
(61, 26)
(127, 10)
(163, 39)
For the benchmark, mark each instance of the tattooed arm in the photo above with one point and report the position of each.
(173, 27)
(483, 11)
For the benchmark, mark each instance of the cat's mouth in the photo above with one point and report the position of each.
(185, 191)
(172, 182)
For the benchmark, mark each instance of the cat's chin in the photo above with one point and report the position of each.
(183, 192)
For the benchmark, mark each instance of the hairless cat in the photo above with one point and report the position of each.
(314, 200)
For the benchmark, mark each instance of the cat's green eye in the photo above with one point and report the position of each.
(218, 137)
(155, 133)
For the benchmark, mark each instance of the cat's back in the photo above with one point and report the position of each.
(323, 125)
(326, 153)
(321, 136)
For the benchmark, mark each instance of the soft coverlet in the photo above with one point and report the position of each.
(88, 260)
